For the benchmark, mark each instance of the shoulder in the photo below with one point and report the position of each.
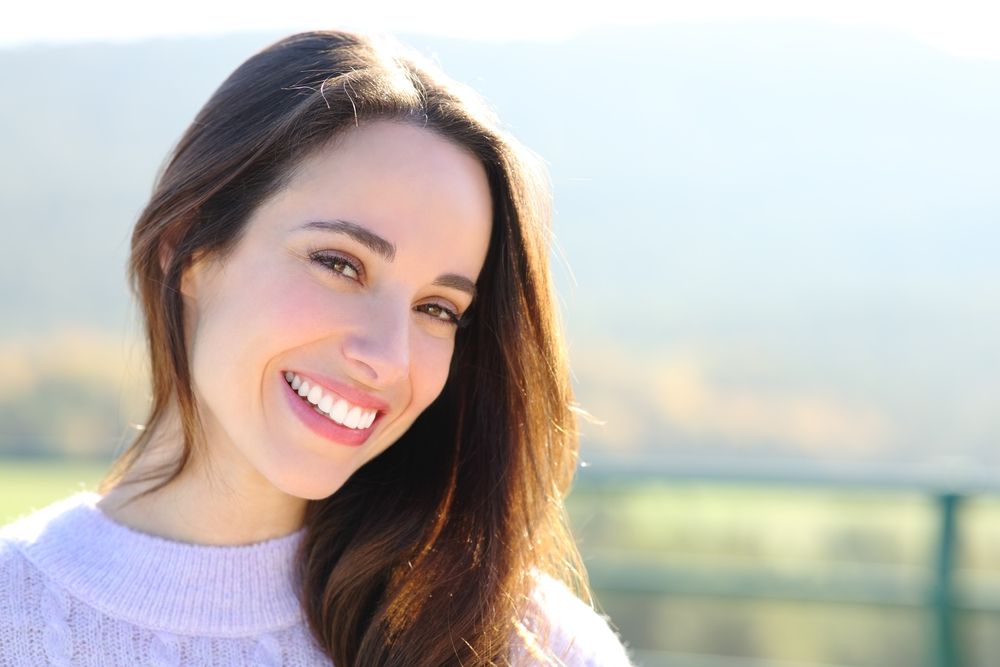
(27, 538)
(13, 537)
(17, 539)
(571, 631)
(29, 528)
(11, 559)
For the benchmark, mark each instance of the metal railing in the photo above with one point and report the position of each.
(935, 590)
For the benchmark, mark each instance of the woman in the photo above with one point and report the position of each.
(361, 430)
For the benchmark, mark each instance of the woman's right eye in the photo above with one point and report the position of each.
(339, 264)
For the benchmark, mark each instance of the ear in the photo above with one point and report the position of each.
(193, 263)
(191, 276)
(187, 283)
(170, 239)
(166, 256)
(198, 269)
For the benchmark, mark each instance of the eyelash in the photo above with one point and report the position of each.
(331, 261)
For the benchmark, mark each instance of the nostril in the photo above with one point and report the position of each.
(378, 364)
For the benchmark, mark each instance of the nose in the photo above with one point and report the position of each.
(378, 350)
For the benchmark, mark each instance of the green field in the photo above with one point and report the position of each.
(27, 485)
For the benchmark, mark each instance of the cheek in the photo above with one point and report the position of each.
(298, 304)
(254, 321)
(431, 361)
(307, 311)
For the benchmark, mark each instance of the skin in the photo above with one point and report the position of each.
(271, 306)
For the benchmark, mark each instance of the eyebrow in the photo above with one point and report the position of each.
(386, 250)
(365, 237)
(455, 281)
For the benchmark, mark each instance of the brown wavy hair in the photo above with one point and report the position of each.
(428, 554)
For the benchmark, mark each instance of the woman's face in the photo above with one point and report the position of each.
(344, 287)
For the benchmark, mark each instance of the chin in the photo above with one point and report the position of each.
(310, 485)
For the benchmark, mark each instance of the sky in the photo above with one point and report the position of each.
(966, 28)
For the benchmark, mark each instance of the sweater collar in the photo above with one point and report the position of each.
(161, 584)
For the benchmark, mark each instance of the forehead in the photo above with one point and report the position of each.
(401, 181)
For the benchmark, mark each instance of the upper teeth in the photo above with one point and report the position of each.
(336, 408)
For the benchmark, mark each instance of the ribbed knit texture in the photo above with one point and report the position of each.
(77, 588)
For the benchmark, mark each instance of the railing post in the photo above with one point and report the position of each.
(943, 594)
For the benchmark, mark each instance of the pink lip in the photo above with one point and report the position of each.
(324, 426)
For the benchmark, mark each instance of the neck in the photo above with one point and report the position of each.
(202, 505)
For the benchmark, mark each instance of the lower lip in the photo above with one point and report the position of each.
(322, 425)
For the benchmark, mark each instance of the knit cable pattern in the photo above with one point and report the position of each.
(56, 637)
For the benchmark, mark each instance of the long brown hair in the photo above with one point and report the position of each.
(427, 555)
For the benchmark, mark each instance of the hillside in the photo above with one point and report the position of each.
(783, 235)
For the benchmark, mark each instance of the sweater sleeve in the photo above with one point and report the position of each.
(569, 633)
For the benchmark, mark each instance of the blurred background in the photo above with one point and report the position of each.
(779, 231)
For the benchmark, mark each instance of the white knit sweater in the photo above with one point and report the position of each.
(77, 588)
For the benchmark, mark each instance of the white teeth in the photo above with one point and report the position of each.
(353, 417)
(337, 409)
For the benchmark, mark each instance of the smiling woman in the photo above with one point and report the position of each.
(361, 313)
(361, 432)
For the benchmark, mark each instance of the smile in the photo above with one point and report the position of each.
(338, 409)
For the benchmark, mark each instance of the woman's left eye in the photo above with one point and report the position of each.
(439, 312)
